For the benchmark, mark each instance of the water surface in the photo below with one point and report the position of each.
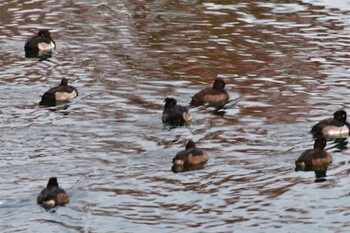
(108, 147)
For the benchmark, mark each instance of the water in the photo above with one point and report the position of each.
(108, 147)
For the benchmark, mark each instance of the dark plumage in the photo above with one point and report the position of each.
(314, 159)
(215, 96)
(42, 41)
(336, 127)
(175, 114)
(190, 158)
(52, 195)
(63, 92)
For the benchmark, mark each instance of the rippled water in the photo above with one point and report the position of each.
(289, 60)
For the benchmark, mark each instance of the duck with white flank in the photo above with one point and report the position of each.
(336, 127)
(52, 195)
(174, 114)
(58, 94)
(39, 45)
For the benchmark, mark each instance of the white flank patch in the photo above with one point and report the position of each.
(45, 46)
(50, 203)
(52, 45)
(187, 116)
(337, 132)
(179, 162)
(62, 96)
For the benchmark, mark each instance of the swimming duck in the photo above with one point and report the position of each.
(215, 96)
(52, 195)
(336, 127)
(175, 114)
(190, 158)
(314, 159)
(61, 93)
(41, 42)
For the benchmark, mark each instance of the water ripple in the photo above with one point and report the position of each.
(285, 63)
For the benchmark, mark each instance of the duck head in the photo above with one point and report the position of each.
(44, 33)
(219, 84)
(170, 102)
(340, 115)
(320, 143)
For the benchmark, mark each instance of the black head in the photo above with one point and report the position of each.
(64, 82)
(170, 102)
(52, 182)
(340, 115)
(190, 144)
(44, 33)
(320, 143)
(219, 84)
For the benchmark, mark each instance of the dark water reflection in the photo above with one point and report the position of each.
(109, 149)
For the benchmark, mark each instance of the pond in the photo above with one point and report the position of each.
(285, 62)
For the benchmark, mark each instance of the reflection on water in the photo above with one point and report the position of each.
(320, 176)
(176, 168)
(339, 144)
(109, 149)
(42, 56)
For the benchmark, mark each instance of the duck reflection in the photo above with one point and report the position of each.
(41, 55)
(320, 173)
(54, 106)
(186, 168)
(221, 109)
(320, 176)
(339, 144)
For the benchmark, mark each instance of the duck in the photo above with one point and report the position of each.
(52, 195)
(41, 42)
(189, 159)
(174, 114)
(215, 96)
(61, 93)
(314, 159)
(336, 127)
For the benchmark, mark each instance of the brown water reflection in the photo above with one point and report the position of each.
(288, 60)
